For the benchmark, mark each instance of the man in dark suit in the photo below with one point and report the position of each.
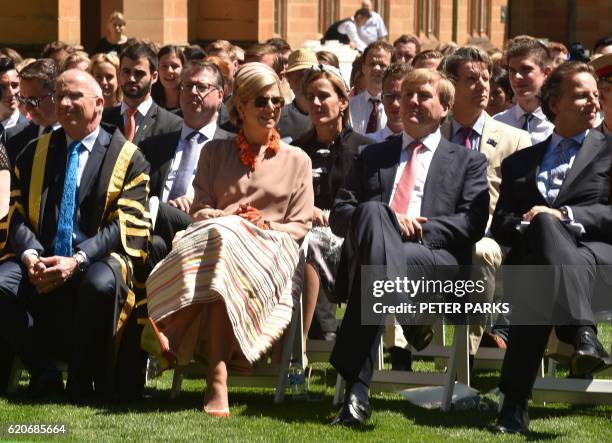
(558, 191)
(138, 117)
(36, 84)
(174, 156)
(9, 90)
(413, 200)
(75, 227)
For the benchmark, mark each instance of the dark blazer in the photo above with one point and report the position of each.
(585, 190)
(157, 121)
(22, 122)
(455, 198)
(101, 241)
(159, 152)
(18, 137)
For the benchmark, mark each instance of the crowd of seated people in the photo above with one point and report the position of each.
(171, 188)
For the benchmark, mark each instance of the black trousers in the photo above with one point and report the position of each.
(375, 239)
(169, 221)
(73, 323)
(567, 291)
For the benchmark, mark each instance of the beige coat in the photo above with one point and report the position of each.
(498, 141)
(280, 187)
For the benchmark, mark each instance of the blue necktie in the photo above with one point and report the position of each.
(184, 174)
(63, 236)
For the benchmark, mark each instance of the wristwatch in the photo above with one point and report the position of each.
(82, 261)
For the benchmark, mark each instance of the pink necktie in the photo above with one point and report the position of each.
(466, 133)
(403, 192)
(130, 123)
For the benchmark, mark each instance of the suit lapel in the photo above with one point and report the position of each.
(386, 175)
(145, 125)
(440, 161)
(586, 154)
(92, 167)
(167, 155)
(533, 168)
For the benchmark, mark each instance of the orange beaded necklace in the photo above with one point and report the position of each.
(248, 153)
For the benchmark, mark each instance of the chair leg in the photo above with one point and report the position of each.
(339, 391)
(177, 382)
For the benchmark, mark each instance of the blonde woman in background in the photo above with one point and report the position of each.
(105, 69)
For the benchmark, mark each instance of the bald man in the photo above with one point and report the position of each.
(78, 223)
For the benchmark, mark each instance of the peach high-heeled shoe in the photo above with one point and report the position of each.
(217, 412)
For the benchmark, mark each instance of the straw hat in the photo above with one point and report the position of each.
(302, 59)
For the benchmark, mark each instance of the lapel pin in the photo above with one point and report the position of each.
(492, 142)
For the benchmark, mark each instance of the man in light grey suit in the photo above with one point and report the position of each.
(469, 69)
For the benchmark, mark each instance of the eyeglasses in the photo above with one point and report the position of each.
(70, 96)
(262, 101)
(33, 101)
(201, 88)
(389, 97)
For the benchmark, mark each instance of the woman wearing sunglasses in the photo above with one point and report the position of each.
(331, 145)
(225, 290)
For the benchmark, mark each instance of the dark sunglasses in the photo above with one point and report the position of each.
(262, 102)
(32, 101)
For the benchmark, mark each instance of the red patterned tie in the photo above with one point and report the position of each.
(403, 192)
(373, 120)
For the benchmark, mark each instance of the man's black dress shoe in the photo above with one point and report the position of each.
(512, 419)
(589, 355)
(419, 336)
(46, 383)
(353, 412)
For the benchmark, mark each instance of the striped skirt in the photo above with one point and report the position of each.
(251, 270)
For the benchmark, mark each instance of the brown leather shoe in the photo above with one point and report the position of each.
(490, 340)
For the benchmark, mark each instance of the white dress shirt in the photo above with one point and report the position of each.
(383, 134)
(208, 131)
(424, 157)
(349, 28)
(374, 29)
(11, 121)
(540, 127)
(360, 109)
(142, 110)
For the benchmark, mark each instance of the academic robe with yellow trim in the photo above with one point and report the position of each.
(112, 213)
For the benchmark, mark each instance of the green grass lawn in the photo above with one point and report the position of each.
(256, 418)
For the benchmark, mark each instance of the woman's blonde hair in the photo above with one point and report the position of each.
(71, 60)
(250, 79)
(116, 15)
(98, 59)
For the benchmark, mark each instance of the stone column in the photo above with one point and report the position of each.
(162, 21)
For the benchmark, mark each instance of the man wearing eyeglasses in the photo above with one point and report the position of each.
(9, 89)
(36, 84)
(139, 117)
(78, 223)
(174, 156)
(391, 95)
